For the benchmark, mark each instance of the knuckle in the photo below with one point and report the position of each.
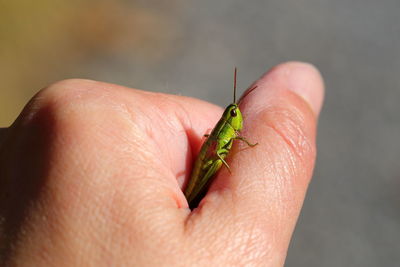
(64, 109)
(66, 92)
(60, 100)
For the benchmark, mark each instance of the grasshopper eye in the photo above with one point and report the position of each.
(233, 112)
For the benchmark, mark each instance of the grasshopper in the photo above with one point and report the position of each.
(215, 149)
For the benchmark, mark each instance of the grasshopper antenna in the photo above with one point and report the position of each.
(234, 86)
(248, 91)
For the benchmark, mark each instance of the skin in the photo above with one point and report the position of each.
(91, 175)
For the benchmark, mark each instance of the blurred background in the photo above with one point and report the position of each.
(351, 216)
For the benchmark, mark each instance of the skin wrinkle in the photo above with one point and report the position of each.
(183, 125)
(256, 246)
(232, 235)
(247, 236)
(146, 230)
(244, 184)
(295, 165)
(139, 144)
(174, 176)
(291, 158)
(241, 238)
(283, 201)
(172, 126)
(289, 130)
(207, 237)
(130, 144)
(182, 114)
(265, 183)
(186, 124)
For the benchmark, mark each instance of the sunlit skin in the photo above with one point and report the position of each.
(91, 174)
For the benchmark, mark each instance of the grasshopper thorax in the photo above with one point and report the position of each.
(233, 116)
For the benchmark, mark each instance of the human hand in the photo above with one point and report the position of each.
(91, 175)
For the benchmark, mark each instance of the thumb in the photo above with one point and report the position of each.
(260, 200)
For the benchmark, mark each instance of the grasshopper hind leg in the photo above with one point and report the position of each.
(201, 189)
(219, 155)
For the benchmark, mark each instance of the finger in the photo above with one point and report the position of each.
(266, 189)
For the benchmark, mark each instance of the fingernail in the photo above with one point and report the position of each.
(306, 81)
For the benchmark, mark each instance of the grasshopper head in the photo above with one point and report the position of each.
(233, 116)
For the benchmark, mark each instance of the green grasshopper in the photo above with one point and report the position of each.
(215, 149)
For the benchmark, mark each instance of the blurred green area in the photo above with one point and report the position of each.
(48, 40)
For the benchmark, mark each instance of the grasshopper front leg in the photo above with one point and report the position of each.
(241, 138)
